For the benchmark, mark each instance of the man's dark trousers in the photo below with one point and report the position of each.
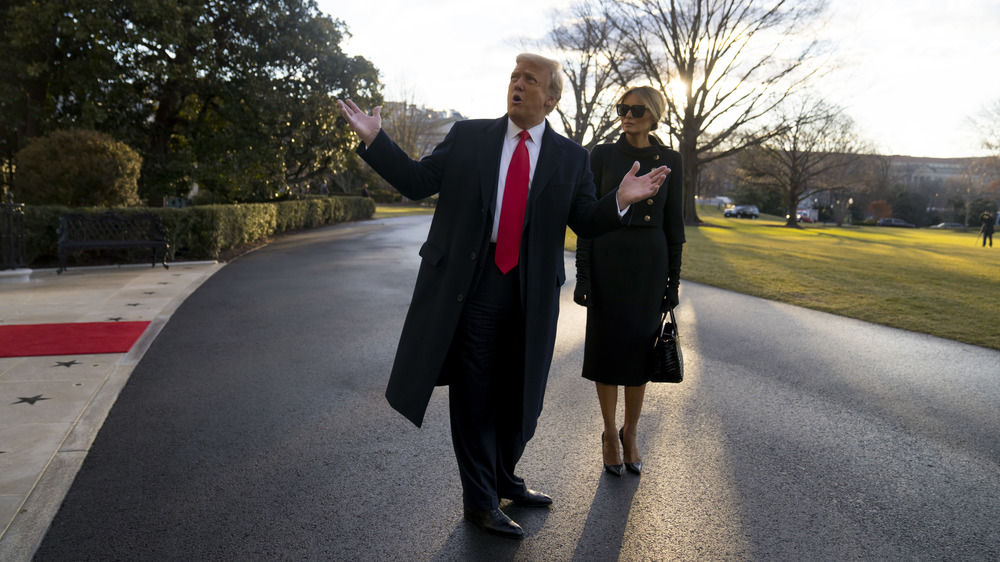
(486, 396)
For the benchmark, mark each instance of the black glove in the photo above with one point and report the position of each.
(670, 297)
(581, 294)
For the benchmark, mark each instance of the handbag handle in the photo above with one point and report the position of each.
(673, 321)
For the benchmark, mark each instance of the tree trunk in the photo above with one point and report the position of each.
(156, 164)
(791, 220)
(691, 168)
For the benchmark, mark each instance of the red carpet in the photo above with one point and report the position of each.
(81, 338)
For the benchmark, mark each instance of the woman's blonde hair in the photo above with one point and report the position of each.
(651, 98)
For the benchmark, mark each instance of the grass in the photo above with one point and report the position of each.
(937, 282)
(383, 211)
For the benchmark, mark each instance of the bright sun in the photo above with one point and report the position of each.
(677, 91)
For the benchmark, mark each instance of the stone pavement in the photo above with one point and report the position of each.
(51, 408)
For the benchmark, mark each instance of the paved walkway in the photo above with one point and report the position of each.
(796, 435)
(51, 408)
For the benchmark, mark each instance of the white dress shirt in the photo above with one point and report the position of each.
(534, 146)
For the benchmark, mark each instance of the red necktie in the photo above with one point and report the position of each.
(515, 199)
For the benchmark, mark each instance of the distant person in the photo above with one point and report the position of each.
(364, 192)
(626, 279)
(986, 230)
(483, 314)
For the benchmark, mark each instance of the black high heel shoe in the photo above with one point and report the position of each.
(615, 469)
(635, 467)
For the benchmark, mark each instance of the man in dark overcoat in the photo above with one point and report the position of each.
(485, 332)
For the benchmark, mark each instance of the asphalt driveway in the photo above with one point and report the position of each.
(255, 428)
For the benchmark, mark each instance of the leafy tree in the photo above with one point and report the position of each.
(909, 205)
(78, 168)
(957, 206)
(234, 97)
(240, 96)
(767, 201)
(55, 54)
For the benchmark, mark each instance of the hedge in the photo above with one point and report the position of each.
(205, 231)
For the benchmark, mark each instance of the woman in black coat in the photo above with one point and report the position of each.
(627, 278)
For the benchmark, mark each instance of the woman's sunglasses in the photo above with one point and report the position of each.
(637, 110)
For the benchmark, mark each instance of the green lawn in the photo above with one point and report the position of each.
(939, 282)
(932, 281)
(383, 211)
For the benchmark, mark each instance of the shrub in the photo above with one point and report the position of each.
(204, 231)
(77, 168)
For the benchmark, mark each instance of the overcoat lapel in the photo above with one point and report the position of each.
(548, 161)
(490, 145)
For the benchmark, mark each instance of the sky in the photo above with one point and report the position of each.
(911, 73)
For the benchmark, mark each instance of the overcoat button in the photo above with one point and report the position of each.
(473, 256)
(656, 157)
(649, 201)
(646, 218)
(460, 298)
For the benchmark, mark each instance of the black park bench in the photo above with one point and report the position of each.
(110, 231)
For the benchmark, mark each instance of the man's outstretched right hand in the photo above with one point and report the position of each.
(366, 126)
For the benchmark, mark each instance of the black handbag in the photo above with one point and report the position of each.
(666, 363)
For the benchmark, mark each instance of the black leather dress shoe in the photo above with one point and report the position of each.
(495, 522)
(531, 498)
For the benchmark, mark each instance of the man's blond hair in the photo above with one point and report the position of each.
(555, 73)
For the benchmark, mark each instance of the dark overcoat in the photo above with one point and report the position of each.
(463, 170)
(629, 268)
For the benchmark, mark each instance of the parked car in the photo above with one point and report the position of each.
(895, 222)
(949, 225)
(742, 212)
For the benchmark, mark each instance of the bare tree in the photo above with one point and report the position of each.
(878, 176)
(597, 67)
(723, 66)
(977, 180)
(988, 123)
(809, 154)
(417, 129)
